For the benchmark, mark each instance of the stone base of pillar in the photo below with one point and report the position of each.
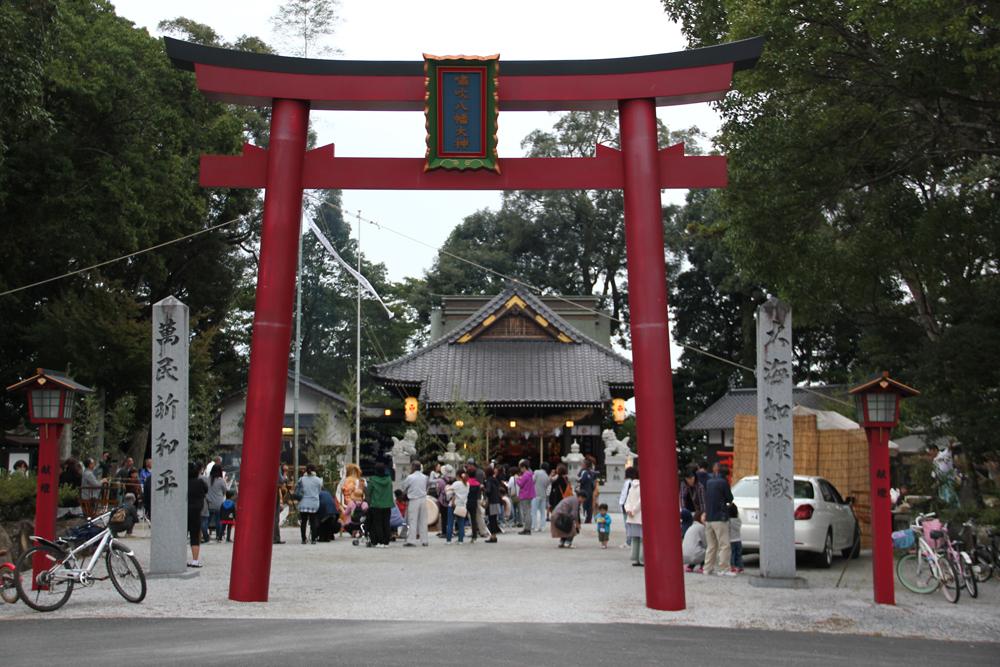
(778, 582)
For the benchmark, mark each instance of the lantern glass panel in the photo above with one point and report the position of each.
(68, 405)
(45, 403)
(882, 407)
(859, 406)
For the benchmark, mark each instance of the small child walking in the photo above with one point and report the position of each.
(603, 521)
(227, 515)
(735, 541)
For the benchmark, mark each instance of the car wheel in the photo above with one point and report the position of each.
(854, 550)
(825, 559)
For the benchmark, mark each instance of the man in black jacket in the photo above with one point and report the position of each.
(718, 496)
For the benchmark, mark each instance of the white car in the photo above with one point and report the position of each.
(824, 520)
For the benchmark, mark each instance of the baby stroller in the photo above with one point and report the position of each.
(357, 526)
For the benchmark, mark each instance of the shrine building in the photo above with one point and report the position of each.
(541, 367)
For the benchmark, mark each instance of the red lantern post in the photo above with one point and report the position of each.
(878, 412)
(50, 406)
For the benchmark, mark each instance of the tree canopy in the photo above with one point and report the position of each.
(864, 179)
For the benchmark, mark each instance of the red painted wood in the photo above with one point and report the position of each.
(269, 345)
(517, 93)
(602, 172)
(883, 584)
(654, 395)
(47, 489)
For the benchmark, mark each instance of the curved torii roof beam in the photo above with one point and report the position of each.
(681, 77)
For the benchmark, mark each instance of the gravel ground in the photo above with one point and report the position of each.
(530, 580)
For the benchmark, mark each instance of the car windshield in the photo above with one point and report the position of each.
(749, 487)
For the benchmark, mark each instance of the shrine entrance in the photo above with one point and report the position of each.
(461, 98)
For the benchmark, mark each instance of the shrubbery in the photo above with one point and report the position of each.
(17, 496)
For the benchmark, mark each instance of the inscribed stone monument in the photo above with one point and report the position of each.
(774, 441)
(169, 432)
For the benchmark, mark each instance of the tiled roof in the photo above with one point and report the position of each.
(512, 372)
(722, 413)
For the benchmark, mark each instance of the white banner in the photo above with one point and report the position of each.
(347, 267)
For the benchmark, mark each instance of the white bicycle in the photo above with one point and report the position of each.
(60, 569)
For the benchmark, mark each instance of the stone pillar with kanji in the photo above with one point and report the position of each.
(775, 446)
(169, 432)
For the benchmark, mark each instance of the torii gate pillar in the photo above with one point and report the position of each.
(271, 338)
(654, 393)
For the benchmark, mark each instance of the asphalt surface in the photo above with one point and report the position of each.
(294, 642)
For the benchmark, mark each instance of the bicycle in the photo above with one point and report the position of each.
(63, 558)
(961, 562)
(8, 581)
(925, 571)
(985, 555)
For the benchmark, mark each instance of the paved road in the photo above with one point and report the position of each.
(50, 640)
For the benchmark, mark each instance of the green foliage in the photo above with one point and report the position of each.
(565, 242)
(103, 161)
(120, 422)
(471, 437)
(69, 496)
(329, 307)
(864, 180)
(17, 496)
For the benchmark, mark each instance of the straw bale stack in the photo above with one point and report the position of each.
(838, 455)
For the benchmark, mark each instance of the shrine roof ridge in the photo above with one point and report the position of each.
(743, 54)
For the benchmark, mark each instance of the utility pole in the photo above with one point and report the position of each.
(298, 361)
(357, 370)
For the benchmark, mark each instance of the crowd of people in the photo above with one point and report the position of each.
(710, 523)
(480, 503)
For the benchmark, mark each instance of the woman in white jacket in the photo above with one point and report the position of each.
(633, 520)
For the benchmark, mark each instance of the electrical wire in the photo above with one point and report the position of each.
(118, 259)
(559, 297)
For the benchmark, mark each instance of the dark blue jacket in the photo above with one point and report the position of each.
(717, 496)
(327, 506)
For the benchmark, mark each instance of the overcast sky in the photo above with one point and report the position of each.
(404, 30)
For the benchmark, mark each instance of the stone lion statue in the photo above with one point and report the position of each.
(613, 446)
(405, 445)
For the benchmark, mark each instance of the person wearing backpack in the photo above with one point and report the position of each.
(587, 482)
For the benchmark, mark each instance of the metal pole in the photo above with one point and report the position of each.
(654, 396)
(357, 371)
(298, 361)
(272, 333)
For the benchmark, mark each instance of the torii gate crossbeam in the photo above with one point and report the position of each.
(293, 86)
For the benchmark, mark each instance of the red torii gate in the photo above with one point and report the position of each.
(293, 86)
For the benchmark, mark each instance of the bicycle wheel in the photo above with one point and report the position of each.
(126, 574)
(950, 587)
(8, 585)
(48, 594)
(916, 575)
(982, 564)
(968, 574)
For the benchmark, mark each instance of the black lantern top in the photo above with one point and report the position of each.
(50, 396)
(877, 401)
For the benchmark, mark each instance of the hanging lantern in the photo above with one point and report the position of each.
(618, 410)
(569, 423)
(459, 423)
(513, 423)
(410, 407)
